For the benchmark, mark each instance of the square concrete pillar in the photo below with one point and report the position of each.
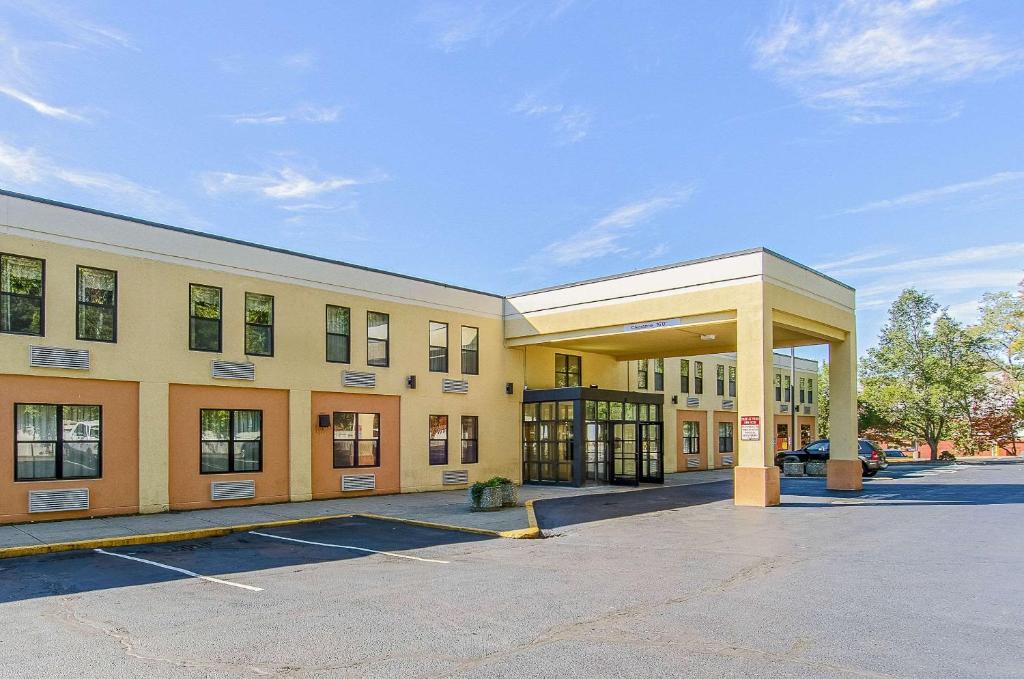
(300, 445)
(153, 447)
(844, 468)
(756, 478)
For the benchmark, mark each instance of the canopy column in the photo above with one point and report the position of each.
(756, 477)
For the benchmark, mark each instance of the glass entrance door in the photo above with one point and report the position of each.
(624, 454)
(651, 468)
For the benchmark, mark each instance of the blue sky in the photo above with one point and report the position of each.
(510, 145)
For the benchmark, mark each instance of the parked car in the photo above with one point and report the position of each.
(872, 457)
(892, 452)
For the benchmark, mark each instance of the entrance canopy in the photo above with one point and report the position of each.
(748, 302)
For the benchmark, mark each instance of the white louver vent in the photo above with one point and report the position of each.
(692, 462)
(692, 402)
(230, 370)
(58, 500)
(807, 410)
(727, 460)
(232, 490)
(454, 386)
(728, 404)
(359, 482)
(784, 408)
(55, 357)
(354, 378)
(456, 477)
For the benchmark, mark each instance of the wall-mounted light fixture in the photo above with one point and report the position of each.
(675, 399)
(509, 388)
(410, 381)
(323, 421)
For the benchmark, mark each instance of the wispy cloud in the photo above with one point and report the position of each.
(293, 189)
(864, 256)
(39, 106)
(873, 59)
(569, 123)
(968, 258)
(934, 194)
(301, 114)
(453, 25)
(606, 235)
(300, 61)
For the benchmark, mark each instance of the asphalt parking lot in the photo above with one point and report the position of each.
(917, 576)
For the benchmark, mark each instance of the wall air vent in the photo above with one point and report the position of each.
(359, 482)
(454, 386)
(66, 500)
(728, 404)
(55, 357)
(354, 378)
(692, 462)
(727, 460)
(692, 402)
(230, 370)
(454, 478)
(232, 490)
(807, 410)
(784, 408)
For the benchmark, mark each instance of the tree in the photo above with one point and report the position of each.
(924, 371)
(823, 401)
(1001, 324)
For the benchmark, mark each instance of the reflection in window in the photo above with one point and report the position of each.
(356, 440)
(21, 294)
(339, 334)
(204, 318)
(438, 356)
(691, 437)
(568, 370)
(378, 339)
(259, 324)
(96, 317)
(470, 350)
(230, 441)
(470, 439)
(56, 441)
(438, 439)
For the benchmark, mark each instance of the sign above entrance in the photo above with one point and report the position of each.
(652, 325)
(750, 428)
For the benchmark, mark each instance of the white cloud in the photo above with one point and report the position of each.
(948, 281)
(453, 25)
(873, 59)
(938, 193)
(570, 123)
(301, 114)
(966, 258)
(39, 106)
(864, 256)
(284, 184)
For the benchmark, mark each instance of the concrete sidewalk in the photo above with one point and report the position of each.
(445, 509)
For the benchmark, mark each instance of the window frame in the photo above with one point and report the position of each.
(42, 295)
(245, 336)
(642, 376)
(695, 439)
(698, 377)
(357, 440)
(431, 326)
(474, 352)
(684, 376)
(720, 379)
(731, 438)
(778, 387)
(803, 388)
(659, 374)
(328, 334)
(386, 340)
(732, 381)
(569, 358)
(220, 318)
(431, 439)
(59, 442)
(810, 390)
(230, 441)
(475, 440)
(788, 388)
(79, 303)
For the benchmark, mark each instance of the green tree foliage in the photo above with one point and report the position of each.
(823, 401)
(924, 372)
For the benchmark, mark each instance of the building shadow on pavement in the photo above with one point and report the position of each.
(802, 494)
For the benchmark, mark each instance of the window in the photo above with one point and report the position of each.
(720, 380)
(339, 334)
(805, 434)
(659, 374)
(378, 340)
(789, 388)
(56, 442)
(803, 388)
(356, 440)
(230, 441)
(438, 439)
(470, 350)
(259, 324)
(204, 323)
(96, 317)
(778, 387)
(568, 370)
(691, 437)
(22, 282)
(641, 374)
(438, 347)
(684, 375)
(810, 390)
(732, 381)
(698, 377)
(725, 437)
(470, 439)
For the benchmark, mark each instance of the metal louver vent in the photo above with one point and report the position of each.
(807, 410)
(727, 460)
(454, 386)
(692, 402)
(55, 357)
(692, 462)
(230, 370)
(232, 490)
(64, 500)
(353, 378)
(728, 404)
(359, 482)
(456, 477)
(784, 408)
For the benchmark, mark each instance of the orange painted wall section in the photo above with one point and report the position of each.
(117, 491)
(188, 488)
(327, 479)
(723, 416)
(700, 417)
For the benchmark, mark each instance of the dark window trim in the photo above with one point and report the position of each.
(732, 381)
(230, 441)
(726, 443)
(431, 439)
(659, 374)
(698, 377)
(431, 346)
(475, 441)
(578, 360)
(328, 334)
(42, 296)
(475, 352)
(220, 318)
(58, 464)
(642, 377)
(720, 379)
(245, 311)
(694, 439)
(356, 440)
(79, 304)
(387, 341)
(684, 376)
(778, 386)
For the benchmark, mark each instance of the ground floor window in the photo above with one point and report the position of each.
(805, 434)
(691, 437)
(56, 441)
(470, 439)
(725, 433)
(356, 440)
(438, 439)
(230, 441)
(782, 436)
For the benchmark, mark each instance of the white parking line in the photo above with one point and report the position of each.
(358, 549)
(180, 570)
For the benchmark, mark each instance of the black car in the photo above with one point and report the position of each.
(872, 458)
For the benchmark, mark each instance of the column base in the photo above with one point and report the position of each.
(756, 486)
(844, 475)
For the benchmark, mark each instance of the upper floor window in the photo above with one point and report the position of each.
(698, 377)
(259, 324)
(356, 440)
(732, 381)
(204, 322)
(778, 386)
(56, 441)
(691, 437)
(470, 439)
(803, 388)
(684, 375)
(339, 334)
(438, 347)
(659, 374)
(789, 388)
(96, 317)
(22, 282)
(641, 374)
(720, 380)
(438, 439)
(810, 390)
(378, 339)
(568, 370)
(470, 350)
(230, 441)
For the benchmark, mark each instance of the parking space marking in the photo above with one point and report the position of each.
(358, 549)
(180, 570)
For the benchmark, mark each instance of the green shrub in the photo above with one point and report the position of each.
(477, 489)
(947, 456)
